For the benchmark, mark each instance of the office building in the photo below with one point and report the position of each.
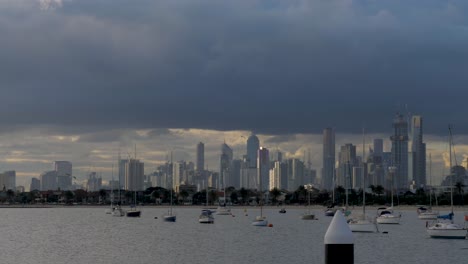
(48, 181)
(200, 157)
(399, 140)
(253, 144)
(418, 149)
(328, 167)
(134, 175)
(63, 170)
(35, 185)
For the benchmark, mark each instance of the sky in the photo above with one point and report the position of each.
(83, 80)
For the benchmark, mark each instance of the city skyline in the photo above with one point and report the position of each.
(295, 146)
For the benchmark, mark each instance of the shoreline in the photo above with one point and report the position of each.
(240, 207)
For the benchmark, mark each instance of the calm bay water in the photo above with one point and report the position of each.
(88, 235)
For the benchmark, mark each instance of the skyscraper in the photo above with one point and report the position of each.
(418, 149)
(64, 174)
(400, 151)
(347, 160)
(253, 144)
(263, 169)
(225, 166)
(200, 157)
(49, 181)
(11, 175)
(134, 175)
(35, 184)
(328, 158)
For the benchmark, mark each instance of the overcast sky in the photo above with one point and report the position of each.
(82, 79)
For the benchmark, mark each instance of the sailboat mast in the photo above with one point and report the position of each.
(450, 167)
(363, 178)
(430, 179)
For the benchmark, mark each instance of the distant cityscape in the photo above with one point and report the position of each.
(265, 169)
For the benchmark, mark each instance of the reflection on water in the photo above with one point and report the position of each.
(88, 235)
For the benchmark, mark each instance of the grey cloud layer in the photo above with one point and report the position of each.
(275, 67)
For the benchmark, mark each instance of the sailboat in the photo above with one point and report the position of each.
(428, 213)
(260, 220)
(308, 215)
(361, 223)
(222, 209)
(206, 216)
(387, 215)
(330, 211)
(169, 217)
(445, 227)
(109, 210)
(118, 211)
(133, 211)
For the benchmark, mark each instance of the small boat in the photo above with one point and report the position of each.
(169, 217)
(308, 215)
(330, 211)
(260, 221)
(133, 212)
(282, 211)
(118, 212)
(387, 216)
(427, 213)
(206, 217)
(447, 230)
(362, 225)
(444, 227)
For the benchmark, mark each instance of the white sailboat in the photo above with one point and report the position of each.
(223, 209)
(206, 216)
(362, 223)
(446, 228)
(260, 220)
(428, 213)
(169, 217)
(387, 215)
(133, 211)
(111, 209)
(118, 211)
(308, 215)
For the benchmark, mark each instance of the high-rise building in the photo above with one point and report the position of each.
(48, 181)
(347, 160)
(11, 175)
(253, 144)
(225, 166)
(134, 175)
(400, 151)
(35, 184)
(94, 183)
(200, 157)
(263, 169)
(64, 174)
(418, 149)
(378, 147)
(275, 176)
(295, 174)
(328, 169)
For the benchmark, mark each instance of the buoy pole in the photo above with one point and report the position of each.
(339, 241)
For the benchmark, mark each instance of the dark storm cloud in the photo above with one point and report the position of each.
(276, 67)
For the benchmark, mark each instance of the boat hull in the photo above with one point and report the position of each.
(330, 212)
(308, 217)
(133, 213)
(206, 220)
(392, 220)
(169, 218)
(260, 222)
(362, 226)
(118, 212)
(428, 216)
(447, 233)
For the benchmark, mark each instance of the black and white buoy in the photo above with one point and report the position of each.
(339, 241)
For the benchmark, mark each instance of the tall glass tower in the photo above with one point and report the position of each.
(253, 144)
(418, 149)
(328, 169)
(200, 157)
(400, 152)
